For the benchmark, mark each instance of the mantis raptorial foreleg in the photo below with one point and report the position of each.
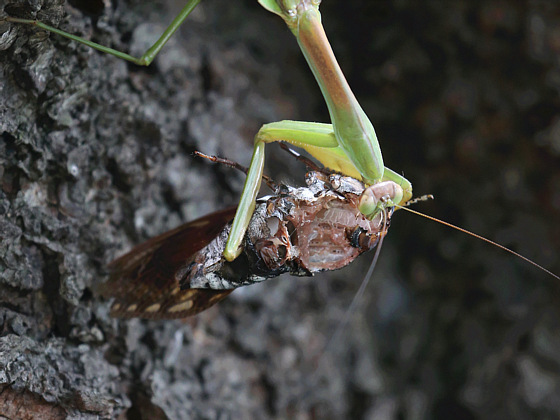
(320, 141)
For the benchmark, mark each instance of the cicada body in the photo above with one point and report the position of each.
(300, 231)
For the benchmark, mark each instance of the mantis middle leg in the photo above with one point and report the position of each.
(146, 58)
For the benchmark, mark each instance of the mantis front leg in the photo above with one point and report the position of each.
(319, 140)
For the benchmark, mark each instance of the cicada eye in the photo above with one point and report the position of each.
(362, 239)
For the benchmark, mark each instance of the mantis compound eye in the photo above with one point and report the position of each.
(378, 196)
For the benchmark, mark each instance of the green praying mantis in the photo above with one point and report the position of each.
(347, 145)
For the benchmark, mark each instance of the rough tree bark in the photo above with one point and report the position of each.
(95, 156)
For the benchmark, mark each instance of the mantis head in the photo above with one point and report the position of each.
(378, 197)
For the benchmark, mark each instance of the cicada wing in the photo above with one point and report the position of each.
(143, 282)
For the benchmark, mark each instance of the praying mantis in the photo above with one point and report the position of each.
(348, 145)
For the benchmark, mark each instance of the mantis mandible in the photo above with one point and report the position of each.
(348, 145)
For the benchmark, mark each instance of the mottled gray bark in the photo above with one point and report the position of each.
(95, 157)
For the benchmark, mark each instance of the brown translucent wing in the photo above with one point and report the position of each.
(143, 282)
